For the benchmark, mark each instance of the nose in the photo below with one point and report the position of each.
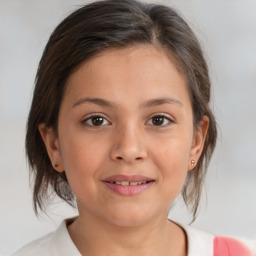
(129, 146)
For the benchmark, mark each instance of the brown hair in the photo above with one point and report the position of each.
(90, 30)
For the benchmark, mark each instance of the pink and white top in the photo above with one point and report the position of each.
(199, 244)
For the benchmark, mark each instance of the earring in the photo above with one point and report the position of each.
(56, 165)
(193, 163)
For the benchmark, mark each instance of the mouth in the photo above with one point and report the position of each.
(128, 185)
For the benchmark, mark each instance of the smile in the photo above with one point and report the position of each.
(128, 185)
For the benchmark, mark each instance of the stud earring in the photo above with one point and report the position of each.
(193, 163)
(56, 165)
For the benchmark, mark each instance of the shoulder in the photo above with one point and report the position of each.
(226, 246)
(199, 243)
(37, 247)
(55, 243)
(205, 244)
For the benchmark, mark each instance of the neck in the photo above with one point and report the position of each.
(94, 236)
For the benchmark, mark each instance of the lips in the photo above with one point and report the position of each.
(128, 185)
(129, 178)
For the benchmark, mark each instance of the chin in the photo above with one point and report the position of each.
(129, 218)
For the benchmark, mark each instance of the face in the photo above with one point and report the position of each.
(125, 135)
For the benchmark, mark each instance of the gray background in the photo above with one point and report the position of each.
(227, 31)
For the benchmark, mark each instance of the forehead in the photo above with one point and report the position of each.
(143, 69)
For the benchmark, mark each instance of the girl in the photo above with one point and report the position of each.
(120, 123)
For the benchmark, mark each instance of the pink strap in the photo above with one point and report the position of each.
(224, 246)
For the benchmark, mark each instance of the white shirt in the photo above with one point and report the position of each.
(60, 243)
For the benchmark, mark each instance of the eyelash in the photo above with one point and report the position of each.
(88, 120)
(166, 119)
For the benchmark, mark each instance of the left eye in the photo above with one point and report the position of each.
(159, 120)
(96, 121)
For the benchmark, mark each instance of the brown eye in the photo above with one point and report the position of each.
(159, 120)
(96, 121)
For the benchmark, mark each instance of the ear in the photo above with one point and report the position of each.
(51, 142)
(198, 142)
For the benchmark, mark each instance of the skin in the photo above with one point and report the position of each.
(127, 142)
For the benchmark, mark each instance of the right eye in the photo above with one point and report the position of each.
(96, 120)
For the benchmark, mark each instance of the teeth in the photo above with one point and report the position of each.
(134, 183)
(127, 183)
(124, 183)
(137, 183)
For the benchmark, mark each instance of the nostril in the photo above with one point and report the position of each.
(121, 158)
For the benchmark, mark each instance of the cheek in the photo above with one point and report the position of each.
(81, 159)
(174, 151)
(81, 168)
(173, 165)
(172, 159)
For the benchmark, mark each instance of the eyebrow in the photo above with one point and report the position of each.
(149, 103)
(161, 101)
(97, 101)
